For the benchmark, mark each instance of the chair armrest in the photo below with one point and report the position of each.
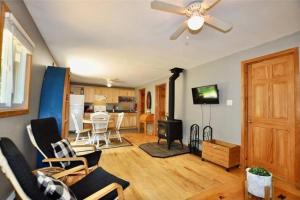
(71, 159)
(93, 147)
(49, 170)
(68, 172)
(104, 191)
(83, 149)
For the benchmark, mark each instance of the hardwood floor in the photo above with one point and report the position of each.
(179, 177)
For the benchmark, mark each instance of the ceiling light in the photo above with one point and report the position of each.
(108, 84)
(195, 22)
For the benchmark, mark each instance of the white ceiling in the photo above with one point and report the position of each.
(126, 39)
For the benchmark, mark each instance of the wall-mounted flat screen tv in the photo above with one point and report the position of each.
(206, 94)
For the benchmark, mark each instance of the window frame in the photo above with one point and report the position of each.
(24, 109)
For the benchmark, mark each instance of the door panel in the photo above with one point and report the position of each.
(279, 100)
(260, 145)
(260, 101)
(281, 153)
(281, 67)
(259, 71)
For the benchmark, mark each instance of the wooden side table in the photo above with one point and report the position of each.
(147, 119)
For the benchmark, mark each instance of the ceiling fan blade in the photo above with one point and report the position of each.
(159, 5)
(179, 31)
(207, 4)
(217, 23)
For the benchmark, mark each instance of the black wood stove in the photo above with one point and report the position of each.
(171, 129)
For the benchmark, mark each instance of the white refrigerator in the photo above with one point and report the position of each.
(76, 108)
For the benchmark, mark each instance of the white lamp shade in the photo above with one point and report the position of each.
(195, 22)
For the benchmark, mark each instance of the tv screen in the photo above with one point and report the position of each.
(206, 94)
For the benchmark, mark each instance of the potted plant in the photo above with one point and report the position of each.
(257, 179)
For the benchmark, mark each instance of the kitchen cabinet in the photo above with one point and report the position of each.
(131, 93)
(129, 120)
(89, 94)
(115, 95)
(112, 94)
(79, 90)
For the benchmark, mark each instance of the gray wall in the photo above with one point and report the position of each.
(14, 127)
(226, 72)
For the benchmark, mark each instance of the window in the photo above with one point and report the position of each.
(15, 67)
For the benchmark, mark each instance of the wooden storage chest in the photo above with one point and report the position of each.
(221, 153)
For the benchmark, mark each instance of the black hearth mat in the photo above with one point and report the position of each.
(161, 150)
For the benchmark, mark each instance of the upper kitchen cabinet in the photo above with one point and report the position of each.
(112, 94)
(77, 89)
(131, 93)
(89, 94)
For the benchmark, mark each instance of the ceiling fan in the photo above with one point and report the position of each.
(196, 14)
(109, 81)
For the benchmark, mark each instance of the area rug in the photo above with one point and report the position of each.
(114, 143)
(161, 150)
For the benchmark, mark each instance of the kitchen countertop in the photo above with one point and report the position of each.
(122, 111)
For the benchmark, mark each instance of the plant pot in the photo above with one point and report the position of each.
(256, 184)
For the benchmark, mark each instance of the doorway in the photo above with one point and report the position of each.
(160, 103)
(142, 101)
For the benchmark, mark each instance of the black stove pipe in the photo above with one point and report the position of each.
(176, 73)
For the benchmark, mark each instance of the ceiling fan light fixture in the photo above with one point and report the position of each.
(109, 84)
(195, 22)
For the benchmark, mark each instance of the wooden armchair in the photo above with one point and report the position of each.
(98, 184)
(43, 132)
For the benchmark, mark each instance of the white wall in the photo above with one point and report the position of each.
(14, 127)
(226, 72)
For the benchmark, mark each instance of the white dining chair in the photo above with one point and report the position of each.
(100, 131)
(118, 126)
(78, 131)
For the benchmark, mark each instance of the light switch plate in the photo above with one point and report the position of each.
(229, 102)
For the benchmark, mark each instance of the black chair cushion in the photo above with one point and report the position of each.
(95, 181)
(92, 159)
(45, 132)
(21, 169)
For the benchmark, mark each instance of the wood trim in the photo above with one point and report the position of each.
(4, 8)
(269, 56)
(66, 105)
(25, 108)
(244, 105)
(244, 110)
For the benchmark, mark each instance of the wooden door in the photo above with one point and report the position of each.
(142, 101)
(160, 104)
(270, 114)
